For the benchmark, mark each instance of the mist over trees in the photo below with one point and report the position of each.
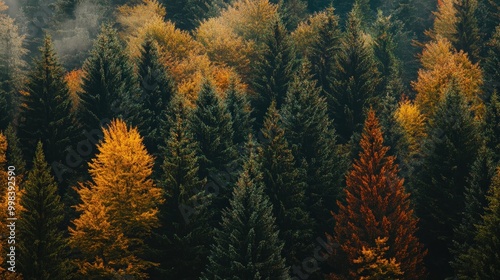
(250, 139)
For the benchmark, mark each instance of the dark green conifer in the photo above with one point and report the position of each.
(449, 152)
(492, 125)
(313, 142)
(247, 244)
(46, 114)
(274, 72)
(239, 107)
(43, 252)
(156, 90)
(285, 184)
(492, 64)
(355, 81)
(467, 29)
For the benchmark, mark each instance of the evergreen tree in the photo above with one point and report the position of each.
(355, 81)
(323, 51)
(492, 64)
(482, 173)
(482, 258)
(467, 29)
(118, 208)
(43, 250)
(109, 85)
(239, 107)
(274, 71)
(184, 235)
(377, 206)
(14, 152)
(285, 186)
(448, 154)
(313, 142)
(156, 89)
(492, 123)
(47, 111)
(247, 245)
(212, 128)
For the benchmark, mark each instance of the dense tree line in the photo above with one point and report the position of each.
(251, 139)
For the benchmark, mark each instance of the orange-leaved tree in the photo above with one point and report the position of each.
(377, 206)
(118, 209)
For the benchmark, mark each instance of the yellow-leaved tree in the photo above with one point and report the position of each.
(118, 209)
(442, 67)
(307, 31)
(445, 21)
(413, 125)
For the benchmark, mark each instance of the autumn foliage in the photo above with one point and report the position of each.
(377, 206)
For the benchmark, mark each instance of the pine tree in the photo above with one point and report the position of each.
(212, 128)
(156, 89)
(482, 173)
(274, 72)
(377, 206)
(323, 51)
(467, 29)
(184, 235)
(118, 209)
(482, 258)
(109, 85)
(239, 107)
(448, 155)
(247, 245)
(46, 114)
(313, 142)
(285, 186)
(355, 81)
(43, 250)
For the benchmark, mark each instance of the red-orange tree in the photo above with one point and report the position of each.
(377, 206)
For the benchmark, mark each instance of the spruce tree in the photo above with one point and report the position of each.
(239, 107)
(492, 125)
(14, 152)
(440, 182)
(482, 258)
(355, 81)
(212, 128)
(247, 245)
(156, 90)
(323, 51)
(46, 115)
(377, 206)
(43, 252)
(182, 241)
(109, 85)
(492, 64)
(285, 185)
(313, 142)
(467, 29)
(482, 173)
(274, 71)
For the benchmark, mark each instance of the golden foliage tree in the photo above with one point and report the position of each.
(74, 80)
(118, 208)
(377, 206)
(442, 66)
(445, 21)
(375, 265)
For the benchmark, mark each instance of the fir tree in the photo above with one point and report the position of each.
(467, 30)
(274, 71)
(184, 236)
(377, 206)
(492, 129)
(109, 85)
(157, 88)
(492, 64)
(46, 114)
(14, 152)
(482, 258)
(247, 245)
(323, 51)
(355, 81)
(43, 250)
(285, 185)
(482, 173)
(212, 128)
(239, 107)
(448, 154)
(313, 142)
